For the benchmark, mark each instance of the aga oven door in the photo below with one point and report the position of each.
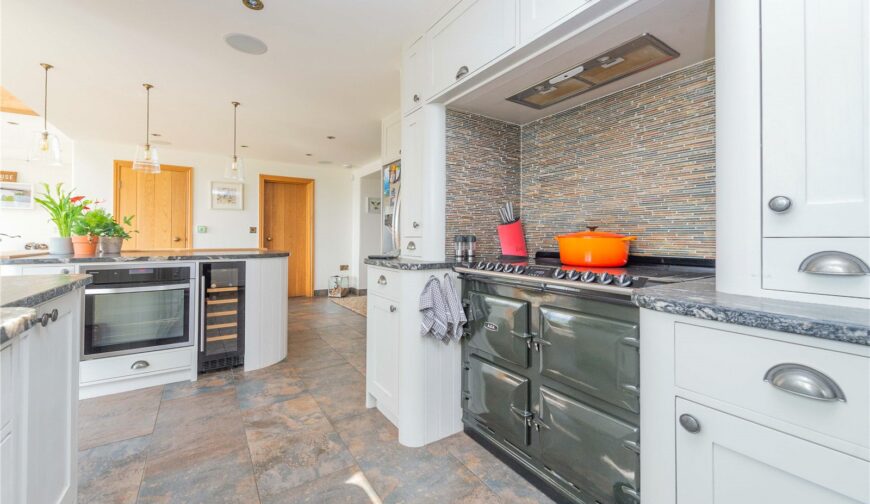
(499, 326)
(134, 319)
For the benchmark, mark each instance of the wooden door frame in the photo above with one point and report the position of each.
(116, 192)
(309, 194)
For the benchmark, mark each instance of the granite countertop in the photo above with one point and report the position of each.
(698, 298)
(20, 294)
(411, 264)
(150, 256)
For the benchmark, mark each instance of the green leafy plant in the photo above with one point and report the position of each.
(99, 222)
(63, 208)
(116, 230)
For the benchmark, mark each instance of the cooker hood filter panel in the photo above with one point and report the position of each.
(634, 56)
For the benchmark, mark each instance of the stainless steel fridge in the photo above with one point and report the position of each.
(391, 204)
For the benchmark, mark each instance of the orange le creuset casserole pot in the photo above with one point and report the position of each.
(594, 248)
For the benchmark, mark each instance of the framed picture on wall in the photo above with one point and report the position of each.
(227, 195)
(374, 205)
(16, 196)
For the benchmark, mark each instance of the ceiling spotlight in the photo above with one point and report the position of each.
(156, 134)
(309, 155)
(246, 43)
(253, 4)
(330, 137)
(13, 123)
(243, 146)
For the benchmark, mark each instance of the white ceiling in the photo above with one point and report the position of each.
(332, 69)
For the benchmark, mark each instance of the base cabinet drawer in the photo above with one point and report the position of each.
(784, 258)
(384, 283)
(748, 372)
(66, 269)
(724, 459)
(136, 364)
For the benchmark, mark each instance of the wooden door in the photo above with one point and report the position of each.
(160, 203)
(287, 223)
(735, 461)
(815, 96)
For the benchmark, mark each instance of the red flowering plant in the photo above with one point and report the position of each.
(63, 208)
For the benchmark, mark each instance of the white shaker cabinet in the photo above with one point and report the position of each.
(538, 16)
(471, 35)
(413, 76)
(391, 138)
(410, 213)
(728, 460)
(382, 354)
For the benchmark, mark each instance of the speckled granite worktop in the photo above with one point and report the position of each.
(20, 294)
(147, 256)
(698, 298)
(411, 264)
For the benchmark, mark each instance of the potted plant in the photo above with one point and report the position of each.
(63, 209)
(112, 234)
(85, 232)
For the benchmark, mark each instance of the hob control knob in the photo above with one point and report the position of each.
(572, 275)
(623, 280)
(490, 266)
(509, 268)
(480, 265)
(519, 270)
(587, 277)
(559, 274)
(605, 278)
(499, 267)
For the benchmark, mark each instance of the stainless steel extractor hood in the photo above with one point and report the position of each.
(637, 54)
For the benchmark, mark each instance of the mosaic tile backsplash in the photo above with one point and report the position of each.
(640, 162)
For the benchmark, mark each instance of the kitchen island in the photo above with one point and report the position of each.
(117, 357)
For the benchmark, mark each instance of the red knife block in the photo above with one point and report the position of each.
(512, 239)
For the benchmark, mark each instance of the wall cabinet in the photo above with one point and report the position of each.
(411, 212)
(472, 34)
(413, 76)
(382, 367)
(40, 392)
(537, 16)
(391, 138)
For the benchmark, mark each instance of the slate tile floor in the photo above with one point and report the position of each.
(296, 432)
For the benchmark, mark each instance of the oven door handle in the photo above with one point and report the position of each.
(143, 288)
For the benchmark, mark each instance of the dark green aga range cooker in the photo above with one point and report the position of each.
(551, 377)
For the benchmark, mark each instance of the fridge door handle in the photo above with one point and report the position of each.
(202, 314)
(396, 235)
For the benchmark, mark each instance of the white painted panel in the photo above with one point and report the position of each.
(537, 16)
(391, 138)
(734, 461)
(121, 366)
(412, 194)
(816, 116)
(383, 343)
(413, 76)
(705, 363)
(783, 256)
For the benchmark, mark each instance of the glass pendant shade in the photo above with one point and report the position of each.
(236, 169)
(46, 149)
(147, 160)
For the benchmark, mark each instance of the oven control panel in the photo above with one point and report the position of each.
(540, 271)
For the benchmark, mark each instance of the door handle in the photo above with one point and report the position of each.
(834, 263)
(140, 364)
(463, 70)
(804, 381)
(268, 238)
(690, 423)
(176, 239)
(416, 98)
(382, 280)
(393, 308)
(779, 204)
(415, 224)
(412, 246)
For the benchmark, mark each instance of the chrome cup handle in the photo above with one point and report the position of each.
(804, 381)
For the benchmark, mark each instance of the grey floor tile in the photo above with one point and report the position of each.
(268, 386)
(205, 383)
(347, 486)
(111, 473)
(116, 417)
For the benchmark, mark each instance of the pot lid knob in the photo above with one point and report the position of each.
(592, 228)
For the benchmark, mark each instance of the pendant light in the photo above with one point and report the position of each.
(46, 146)
(236, 168)
(147, 159)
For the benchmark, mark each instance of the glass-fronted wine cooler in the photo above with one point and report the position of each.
(222, 315)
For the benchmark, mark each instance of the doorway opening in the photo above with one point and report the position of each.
(287, 223)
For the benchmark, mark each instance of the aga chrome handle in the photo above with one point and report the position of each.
(804, 381)
(832, 262)
(140, 364)
(416, 98)
(463, 70)
(382, 280)
(411, 246)
(393, 308)
(415, 224)
(779, 204)
(690, 423)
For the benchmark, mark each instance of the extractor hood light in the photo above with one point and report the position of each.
(147, 159)
(46, 146)
(634, 56)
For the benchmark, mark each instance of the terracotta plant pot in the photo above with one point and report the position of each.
(111, 244)
(59, 246)
(85, 245)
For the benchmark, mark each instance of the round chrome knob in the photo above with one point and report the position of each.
(605, 278)
(587, 277)
(480, 265)
(509, 268)
(623, 280)
(559, 274)
(572, 275)
(779, 204)
(490, 266)
(690, 423)
(499, 267)
(519, 270)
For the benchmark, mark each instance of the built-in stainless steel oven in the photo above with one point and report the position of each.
(138, 308)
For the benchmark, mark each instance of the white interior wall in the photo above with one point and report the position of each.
(357, 270)
(369, 223)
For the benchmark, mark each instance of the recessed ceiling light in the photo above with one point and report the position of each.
(330, 137)
(309, 155)
(253, 4)
(324, 162)
(13, 123)
(347, 165)
(156, 134)
(246, 43)
(243, 146)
